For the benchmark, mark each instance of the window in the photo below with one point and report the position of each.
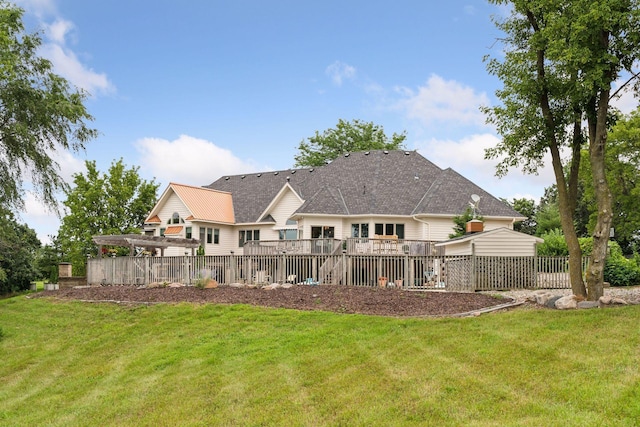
(245, 236)
(359, 230)
(188, 232)
(162, 232)
(216, 236)
(209, 235)
(202, 235)
(289, 233)
(390, 230)
(324, 232)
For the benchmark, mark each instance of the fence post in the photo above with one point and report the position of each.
(473, 266)
(535, 267)
(344, 267)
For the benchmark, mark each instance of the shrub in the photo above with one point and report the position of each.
(553, 245)
(619, 271)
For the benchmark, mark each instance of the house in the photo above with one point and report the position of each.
(384, 196)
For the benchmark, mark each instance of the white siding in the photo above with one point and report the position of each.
(284, 208)
(505, 244)
(499, 243)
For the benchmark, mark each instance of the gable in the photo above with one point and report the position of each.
(194, 203)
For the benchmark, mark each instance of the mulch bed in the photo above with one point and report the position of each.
(339, 299)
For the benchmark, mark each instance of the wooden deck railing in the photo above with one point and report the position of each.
(453, 273)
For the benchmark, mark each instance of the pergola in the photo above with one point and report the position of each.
(133, 241)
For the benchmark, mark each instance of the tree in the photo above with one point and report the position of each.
(560, 60)
(623, 174)
(347, 137)
(113, 203)
(39, 114)
(18, 247)
(525, 207)
(460, 223)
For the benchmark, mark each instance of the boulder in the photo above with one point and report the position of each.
(286, 285)
(271, 287)
(588, 304)
(551, 302)
(176, 285)
(618, 301)
(542, 297)
(211, 284)
(237, 285)
(605, 299)
(566, 303)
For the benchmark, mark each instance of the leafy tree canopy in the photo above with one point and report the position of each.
(116, 202)
(18, 248)
(39, 114)
(347, 137)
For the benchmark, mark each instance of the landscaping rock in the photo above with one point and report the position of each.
(566, 303)
(618, 301)
(542, 297)
(237, 285)
(551, 302)
(271, 287)
(211, 284)
(176, 285)
(605, 299)
(286, 285)
(588, 304)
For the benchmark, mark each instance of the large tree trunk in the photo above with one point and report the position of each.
(597, 145)
(565, 206)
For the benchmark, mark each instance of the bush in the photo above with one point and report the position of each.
(553, 245)
(619, 271)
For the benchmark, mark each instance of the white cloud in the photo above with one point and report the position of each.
(189, 160)
(66, 63)
(55, 48)
(338, 71)
(443, 100)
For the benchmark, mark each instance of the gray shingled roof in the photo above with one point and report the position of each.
(377, 182)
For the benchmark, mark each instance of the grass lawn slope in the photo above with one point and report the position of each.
(81, 364)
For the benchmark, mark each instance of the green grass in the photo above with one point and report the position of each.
(75, 364)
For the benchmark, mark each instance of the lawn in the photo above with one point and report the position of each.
(76, 364)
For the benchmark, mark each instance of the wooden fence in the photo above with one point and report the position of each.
(453, 273)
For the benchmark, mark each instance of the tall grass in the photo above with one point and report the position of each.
(67, 363)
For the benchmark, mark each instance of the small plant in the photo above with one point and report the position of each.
(200, 282)
(1, 334)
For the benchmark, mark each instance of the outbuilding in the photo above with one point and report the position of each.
(497, 242)
(515, 266)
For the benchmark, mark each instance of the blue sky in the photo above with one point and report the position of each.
(190, 91)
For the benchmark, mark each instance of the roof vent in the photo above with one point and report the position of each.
(311, 170)
(276, 173)
(416, 177)
(406, 153)
(226, 179)
(346, 154)
(293, 171)
(243, 177)
(366, 153)
(385, 152)
(288, 178)
(259, 175)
